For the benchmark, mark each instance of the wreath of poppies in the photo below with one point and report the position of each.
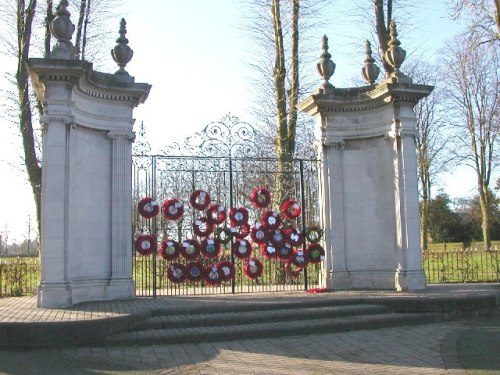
(216, 214)
(260, 197)
(176, 273)
(223, 235)
(190, 249)
(202, 227)
(238, 216)
(242, 249)
(195, 271)
(315, 253)
(199, 200)
(172, 209)
(210, 248)
(148, 207)
(213, 275)
(294, 236)
(300, 259)
(277, 237)
(290, 209)
(240, 231)
(314, 234)
(268, 251)
(227, 270)
(271, 220)
(146, 244)
(292, 270)
(169, 249)
(259, 234)
(253, 268)
(285, 252)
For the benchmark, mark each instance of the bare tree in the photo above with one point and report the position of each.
(431, 142)
(471, 76)
(19, 42)
(483, 17)
(280, 30)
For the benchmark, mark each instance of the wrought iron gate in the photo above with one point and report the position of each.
(229, 179)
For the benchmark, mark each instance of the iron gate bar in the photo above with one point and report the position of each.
(303, 204)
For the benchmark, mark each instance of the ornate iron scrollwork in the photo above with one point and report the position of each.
(228, 137)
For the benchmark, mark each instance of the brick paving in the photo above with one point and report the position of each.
(400, 350)
(422, 349)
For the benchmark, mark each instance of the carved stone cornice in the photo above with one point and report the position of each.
(345, 100)
(81, 75)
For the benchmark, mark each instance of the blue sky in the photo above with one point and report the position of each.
(196, 56)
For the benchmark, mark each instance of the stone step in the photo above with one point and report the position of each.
(249, 317)
(268, 329)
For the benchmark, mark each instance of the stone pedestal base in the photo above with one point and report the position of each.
(54, 295)
(78, 291)
(409, 280)
(366, 279)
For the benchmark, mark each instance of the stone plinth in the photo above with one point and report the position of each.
(86, 227)
(368, 185)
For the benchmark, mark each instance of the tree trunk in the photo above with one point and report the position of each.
(497, 17)
(424, 211)
(283, 140)
(485, 215)
(48, 19)
(25, 17)
(383, 31)
(79, 28)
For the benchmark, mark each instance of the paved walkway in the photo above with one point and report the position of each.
(440, 348)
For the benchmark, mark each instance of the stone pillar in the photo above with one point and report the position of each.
(86, 200)
(368, 180)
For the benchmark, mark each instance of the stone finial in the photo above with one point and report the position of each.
(325, 66)
(122, 53)
(395, 55)
(370, 71)
(62, 29)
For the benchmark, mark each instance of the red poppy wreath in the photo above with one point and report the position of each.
(190, 249)
(290, 209)
(259, 234)
(271, 220)
(260, 197)
(172, 209)
(146, 244)
(216, 214)
(169, 249)
(294, 236)
(176, 273)
(238, 216)
(315, 253)
(202, 227)
(213, 275)
(148, 207)
(253, 268)
(194, 271)
(210, 248)
(227, 270)
(242, 249)
(199, 200)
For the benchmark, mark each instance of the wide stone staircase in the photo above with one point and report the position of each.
(258, 320)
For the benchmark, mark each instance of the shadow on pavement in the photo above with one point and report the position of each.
(478, 348)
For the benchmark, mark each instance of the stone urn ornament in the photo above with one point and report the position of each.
(62, 29)
(122, 53)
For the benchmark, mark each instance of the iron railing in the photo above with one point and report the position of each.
(461, 266)
(19, 276)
